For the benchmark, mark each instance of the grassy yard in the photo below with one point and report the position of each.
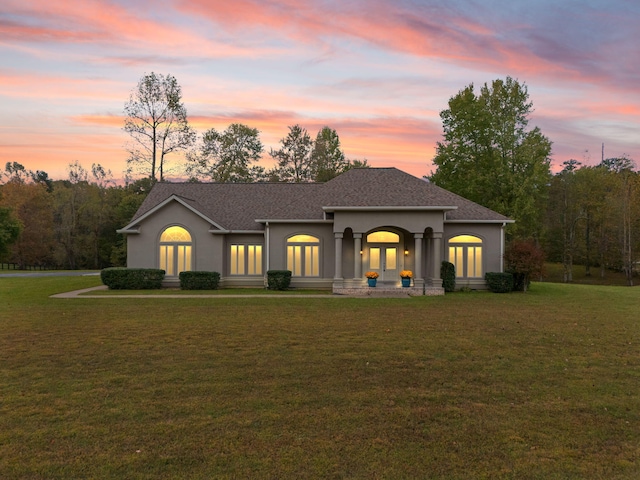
(543, 385)
(554, 272)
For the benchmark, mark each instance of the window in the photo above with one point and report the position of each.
(383, 237)
(303, 256)
(246, 260)
(175, 250)
(465, 252)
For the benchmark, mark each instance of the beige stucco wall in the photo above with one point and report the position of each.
(366, 221)
(491, 244)
(210, 251)
(142, 248)
(277, 238)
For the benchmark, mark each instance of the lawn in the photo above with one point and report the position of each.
(542, 385)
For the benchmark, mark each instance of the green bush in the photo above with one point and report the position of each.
(199, 280)
(120, 278)
(278, 279)
(448, 276)
(499, 282)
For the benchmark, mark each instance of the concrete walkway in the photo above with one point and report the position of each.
(62, 273)
(84, 294)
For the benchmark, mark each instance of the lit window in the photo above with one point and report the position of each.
(303, 256)
(383, 237)
(465, 252)
(246, 260)
(175, 251)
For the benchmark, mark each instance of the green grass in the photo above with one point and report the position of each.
(542, 385)
(554, 272)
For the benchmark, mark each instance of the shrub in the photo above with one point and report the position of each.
(278, 279)
(499, 282)
(120, 278)
(199, 280)
(448, 276)
(524, 259)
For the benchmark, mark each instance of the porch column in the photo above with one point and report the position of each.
(357, 257)
(437, 258)
(338, 256)
(418, 256)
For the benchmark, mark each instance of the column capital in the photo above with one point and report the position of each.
(357, 235)
(338, 235)
(418, 235)
(437, 235)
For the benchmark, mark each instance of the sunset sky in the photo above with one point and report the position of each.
(377, 71)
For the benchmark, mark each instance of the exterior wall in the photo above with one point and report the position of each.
(277, 238)
(143, 251)
(362, 222)
(491, 235)
(228, 280)
(211, 251)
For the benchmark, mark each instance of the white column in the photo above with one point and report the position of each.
(437, 255)
(418, 255)
(338, 256)
(357, 257)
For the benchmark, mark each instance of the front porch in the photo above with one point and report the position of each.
(387, 291)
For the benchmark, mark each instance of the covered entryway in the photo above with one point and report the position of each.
(384, 256)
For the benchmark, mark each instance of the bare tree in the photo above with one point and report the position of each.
(156, 120)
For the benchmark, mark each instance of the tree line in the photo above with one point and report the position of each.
(583, 214)
(588, 215)
(68, 223)
(157, 123)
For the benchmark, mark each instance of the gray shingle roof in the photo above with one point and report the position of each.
(238, 206)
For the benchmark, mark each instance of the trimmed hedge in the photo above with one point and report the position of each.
(199, 280)
(121, 278)
(278, 279)
(499, 282)
(448, 276)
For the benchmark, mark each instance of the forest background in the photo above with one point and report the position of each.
(587, 215)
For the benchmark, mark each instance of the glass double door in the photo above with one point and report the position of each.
(384, 260)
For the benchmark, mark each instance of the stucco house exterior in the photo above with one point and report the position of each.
(328, 234)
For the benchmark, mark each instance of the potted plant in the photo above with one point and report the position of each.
(372, 278)
(406, 277)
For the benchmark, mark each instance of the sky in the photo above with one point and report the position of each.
(379, 72)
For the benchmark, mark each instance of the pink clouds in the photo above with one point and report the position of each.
(378, 71)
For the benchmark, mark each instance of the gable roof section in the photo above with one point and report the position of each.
(390, 187)
(238, 206)
(234, 206)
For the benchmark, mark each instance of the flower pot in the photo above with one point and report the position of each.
(406, 281)
(372, 281)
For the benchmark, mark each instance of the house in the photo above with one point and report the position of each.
(327, 234)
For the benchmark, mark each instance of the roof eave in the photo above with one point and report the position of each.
(480, 221)
(159, 206)
(389, 208)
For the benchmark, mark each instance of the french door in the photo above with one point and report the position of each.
(384, 260)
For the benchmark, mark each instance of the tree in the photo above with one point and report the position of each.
(156, 120)
(227, 157)
(489, 156)
(31, 205)
(525, 260)
(10, 229)
(15, 172)
(327, 159)
(624, 205)
(294, 157)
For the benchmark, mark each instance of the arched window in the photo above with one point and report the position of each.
(303, 255)
(383, 237)
(465, 252)
(175, 250)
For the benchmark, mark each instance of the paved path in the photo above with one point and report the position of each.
(83, 294)
(62, 273)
